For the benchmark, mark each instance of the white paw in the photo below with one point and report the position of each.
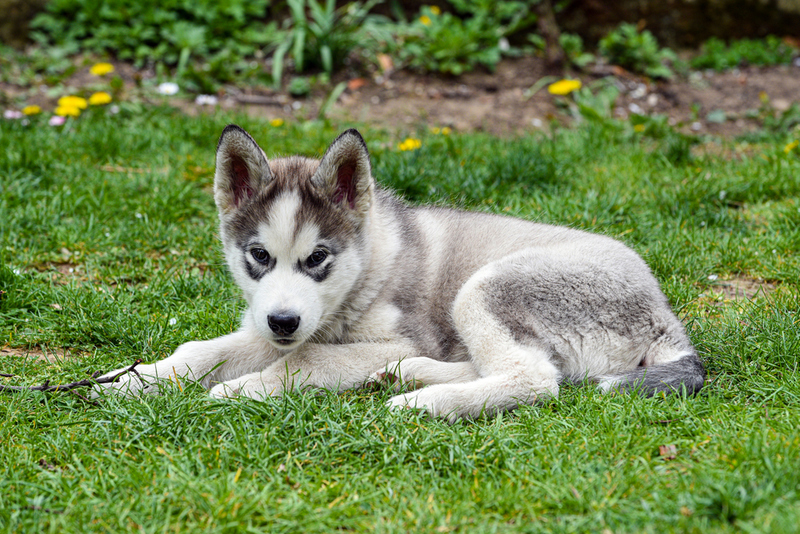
(130, 384)
(427, 400)
(253, 387)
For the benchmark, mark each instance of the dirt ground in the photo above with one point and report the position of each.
(500, 103)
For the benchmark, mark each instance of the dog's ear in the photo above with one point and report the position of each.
(241, 170)
(345, 173)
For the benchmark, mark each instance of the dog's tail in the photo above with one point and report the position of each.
(684, 374)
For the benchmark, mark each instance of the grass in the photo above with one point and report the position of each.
(108, 249)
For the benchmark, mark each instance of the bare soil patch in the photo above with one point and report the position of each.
(44, 354)
(743, 288)
(499, 103)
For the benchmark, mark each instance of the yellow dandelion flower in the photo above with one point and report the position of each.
(68, 111)
(276, 122)
(435, 10)
(31, 110)
(788, 148)
(410, 144)
(436, 131)
(446, 130)
(564, 87)
(73, 101)
(638, 128)
(425, 19)
(101, 69)
(98, 99)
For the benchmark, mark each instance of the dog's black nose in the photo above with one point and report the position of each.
(283, 325)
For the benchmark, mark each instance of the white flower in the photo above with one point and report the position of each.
(114, 109)
(12, 114)
(206, 100)
(139, 215)
(168, 88)
(713, 276)
(635, 108)
(57, 120)
(173, 321)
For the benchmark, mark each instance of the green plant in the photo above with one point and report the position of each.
(716, 55)
(573, 49)
(318, 35)
(637, 51)
(443, 42)
(170, 33)
(299, 86)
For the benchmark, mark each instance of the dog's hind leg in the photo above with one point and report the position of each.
(510, 372)
(422, 371)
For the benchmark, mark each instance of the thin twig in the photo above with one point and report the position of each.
(6, 375)
(87, 382)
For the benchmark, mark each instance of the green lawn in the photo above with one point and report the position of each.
(108, 252)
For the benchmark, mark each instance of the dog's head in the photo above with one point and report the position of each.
(293, 231)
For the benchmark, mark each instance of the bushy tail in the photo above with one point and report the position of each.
(686, 373)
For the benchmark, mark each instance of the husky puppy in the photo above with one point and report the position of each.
(346, 284)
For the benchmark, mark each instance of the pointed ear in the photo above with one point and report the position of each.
(242, 169)
(345, 173)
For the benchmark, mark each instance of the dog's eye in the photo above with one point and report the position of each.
(317, 257)
(260, 255)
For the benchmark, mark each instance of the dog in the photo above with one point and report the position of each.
(464, 313)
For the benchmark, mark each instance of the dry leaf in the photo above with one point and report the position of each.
(668, 452)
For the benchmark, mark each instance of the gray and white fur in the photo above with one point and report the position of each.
(346, 284)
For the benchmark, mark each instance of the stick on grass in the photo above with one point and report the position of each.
(87, 382)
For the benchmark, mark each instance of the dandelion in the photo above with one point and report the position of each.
(435, 10)
(12, 114)
(73, 102)
(410, 144)
(68, 111)
(31, 110)
(101, 69)
(639, 128)
(425, 20)
(564, 87)
(436, 131)
(447, 130)
(276, 123)
(791, 146)
(168, 88)
(56, 120)
(99, 99)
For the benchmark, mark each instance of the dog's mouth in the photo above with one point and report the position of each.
(284, 341)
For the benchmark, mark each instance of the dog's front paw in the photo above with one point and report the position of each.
(131, 383)
(254, 386)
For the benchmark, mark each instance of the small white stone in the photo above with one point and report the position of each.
(713, 276)
(696, 126)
